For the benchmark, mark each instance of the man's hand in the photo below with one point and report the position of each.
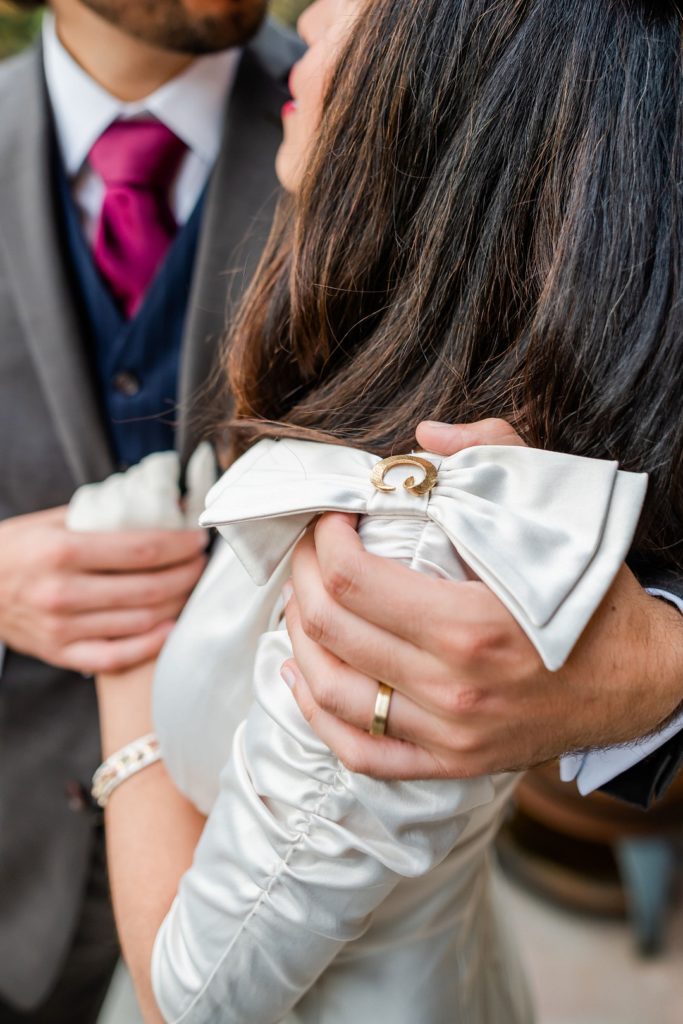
(92, 602)
(471, 693)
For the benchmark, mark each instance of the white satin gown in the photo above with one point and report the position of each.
(318, 895)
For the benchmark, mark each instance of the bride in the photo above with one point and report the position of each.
(431, 254)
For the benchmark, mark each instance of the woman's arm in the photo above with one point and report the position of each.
(294, 858)
(151, 829)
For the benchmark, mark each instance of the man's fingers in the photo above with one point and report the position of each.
(380, 757)
(336, 688)
(447, 438)
(351, 696)
(376, 589)
(51, 516)
(358, 643)
(100, 592)
(133, 550)
(419, 609)
(92, 657)
(114, 624)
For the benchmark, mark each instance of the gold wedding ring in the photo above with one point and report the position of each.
(381, 715)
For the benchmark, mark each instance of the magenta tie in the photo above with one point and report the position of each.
(137, 160)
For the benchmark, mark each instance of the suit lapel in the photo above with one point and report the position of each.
(38, 279)
(239, 207)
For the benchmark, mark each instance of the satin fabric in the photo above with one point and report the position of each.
(547, 532)
(147, 496)
(320, 892)
(313, 889)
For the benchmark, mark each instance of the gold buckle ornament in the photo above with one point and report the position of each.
(423, 487)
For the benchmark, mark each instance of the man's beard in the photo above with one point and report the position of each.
(170, 26)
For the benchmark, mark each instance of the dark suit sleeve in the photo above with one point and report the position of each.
(647, 781)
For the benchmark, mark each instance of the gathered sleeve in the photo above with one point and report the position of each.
(296, 855)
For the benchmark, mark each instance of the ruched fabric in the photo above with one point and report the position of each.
(316, 892)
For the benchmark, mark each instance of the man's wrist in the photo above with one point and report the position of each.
(645, 765)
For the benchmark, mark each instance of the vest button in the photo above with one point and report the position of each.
(126, 383)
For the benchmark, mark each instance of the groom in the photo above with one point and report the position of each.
(137, 147)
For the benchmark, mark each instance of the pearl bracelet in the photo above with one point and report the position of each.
(128, 761)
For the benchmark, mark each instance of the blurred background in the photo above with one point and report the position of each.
(17, 28)
(591, 887)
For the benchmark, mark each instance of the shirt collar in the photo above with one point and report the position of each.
(191, 105)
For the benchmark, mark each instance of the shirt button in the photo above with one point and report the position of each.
(126, 383)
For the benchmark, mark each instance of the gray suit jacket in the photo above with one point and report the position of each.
(52, 439)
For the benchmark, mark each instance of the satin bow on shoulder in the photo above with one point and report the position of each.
(547, 532)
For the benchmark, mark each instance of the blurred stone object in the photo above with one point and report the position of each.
(288, 11)
(596, 854)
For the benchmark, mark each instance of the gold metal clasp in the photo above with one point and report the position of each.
(423, 487)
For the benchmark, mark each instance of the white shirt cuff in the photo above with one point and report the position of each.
(598, 767)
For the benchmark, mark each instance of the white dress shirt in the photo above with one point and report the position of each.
(191, 105)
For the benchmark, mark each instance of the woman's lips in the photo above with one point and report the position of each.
(290, 106)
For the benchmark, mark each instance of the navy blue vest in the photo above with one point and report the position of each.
(136, 362)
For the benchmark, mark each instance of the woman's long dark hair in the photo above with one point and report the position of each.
(491, 225)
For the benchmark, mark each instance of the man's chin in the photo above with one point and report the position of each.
(211, 35)
(180, 31)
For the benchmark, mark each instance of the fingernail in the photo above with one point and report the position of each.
(287, 592)
(288, 676)
(440, 428)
